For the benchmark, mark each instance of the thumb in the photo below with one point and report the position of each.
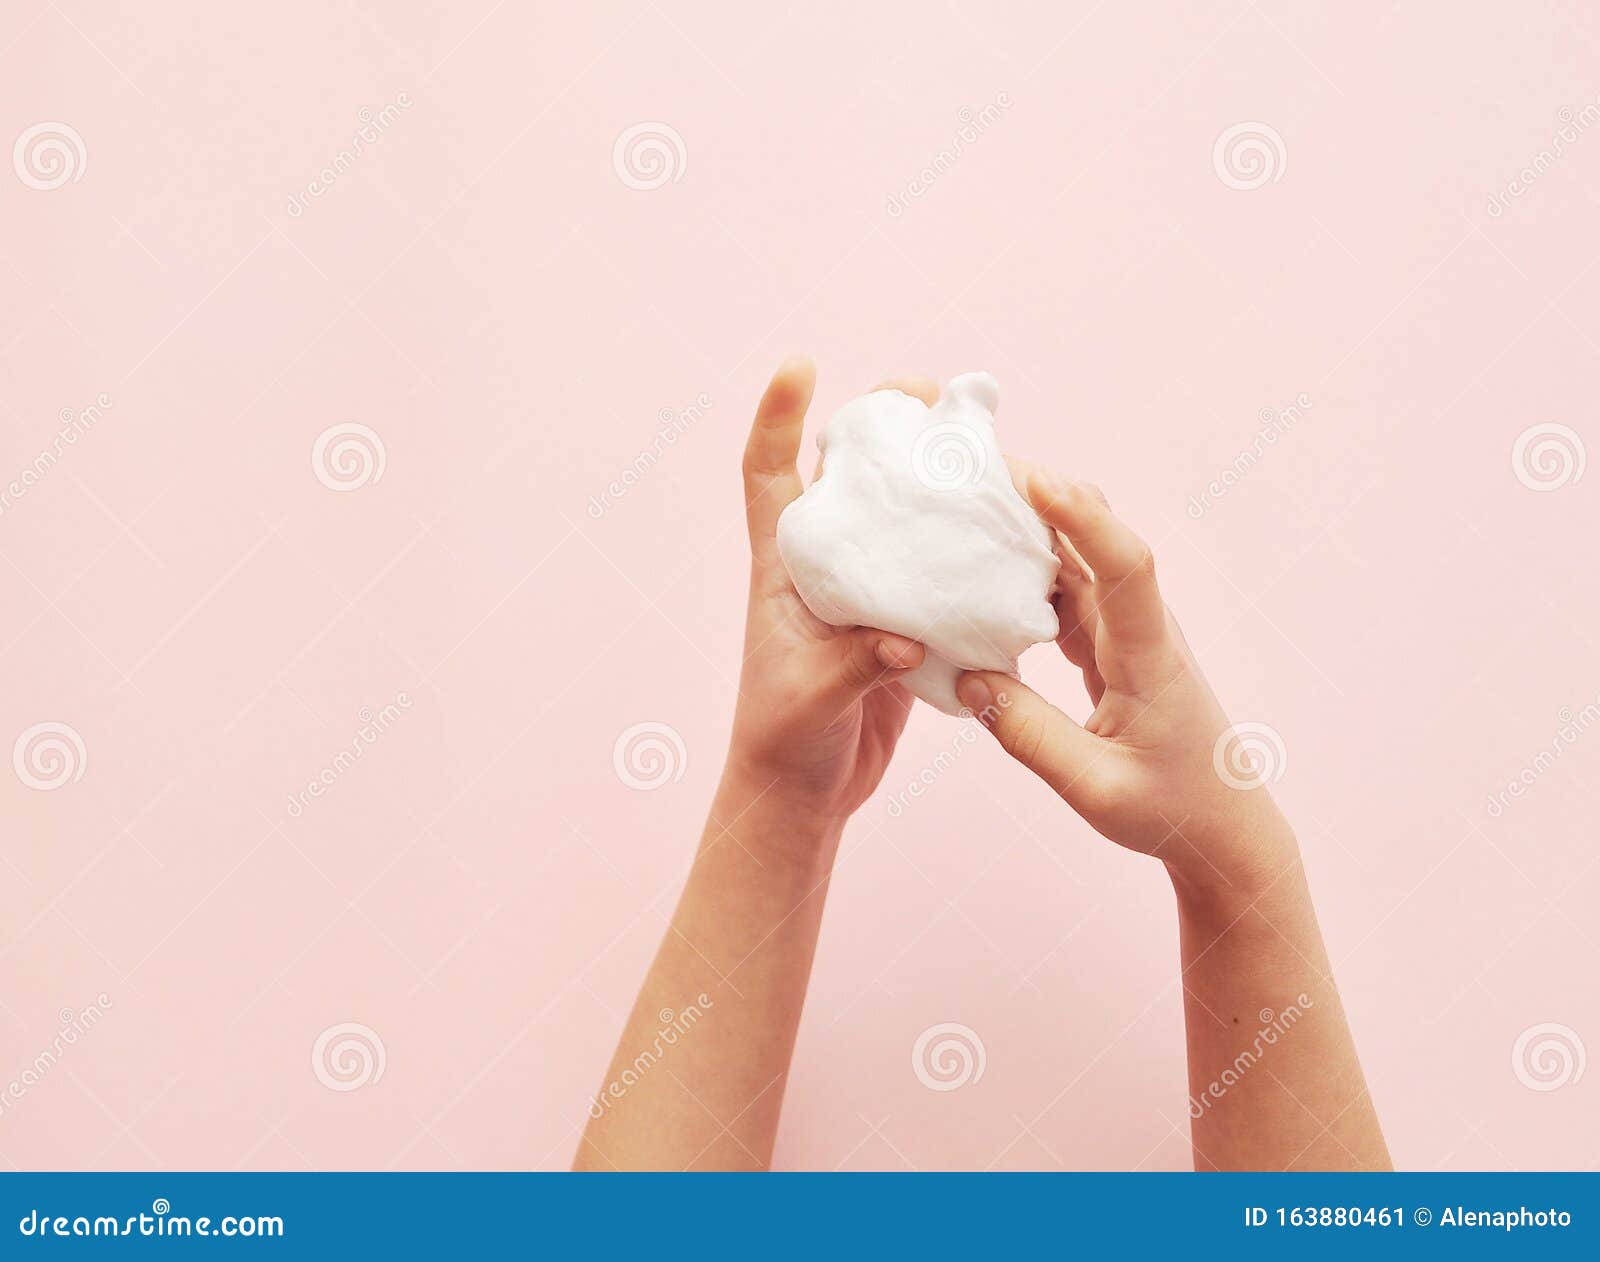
(863, 659)
(1034, 732)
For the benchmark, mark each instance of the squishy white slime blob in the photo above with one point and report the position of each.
(914, 527)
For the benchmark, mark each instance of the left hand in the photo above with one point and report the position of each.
(819, 710)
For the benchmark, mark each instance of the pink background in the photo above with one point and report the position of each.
(483, 290)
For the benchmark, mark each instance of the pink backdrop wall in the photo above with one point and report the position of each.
(491, 286)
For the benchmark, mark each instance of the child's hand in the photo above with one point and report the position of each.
(1155, 769)
(819, 711)
(1142, 770)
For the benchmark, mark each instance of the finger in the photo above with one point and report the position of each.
(1072, 564)
(1077, 615)
(1076, 612)
(771, 480)
(1037, 735)
(1094, 683)
(1125, 590)
(864, 658)
(1079, 620)
(886, 710)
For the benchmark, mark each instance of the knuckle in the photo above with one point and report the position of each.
(860, 667)
(1143, 560)
(1028, 738)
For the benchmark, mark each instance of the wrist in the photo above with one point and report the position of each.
(1222, 881)
(774, 820)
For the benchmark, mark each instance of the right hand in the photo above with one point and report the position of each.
(1147, 770)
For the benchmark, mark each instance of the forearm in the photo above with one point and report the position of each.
(698, 1077)
(1274, 1080)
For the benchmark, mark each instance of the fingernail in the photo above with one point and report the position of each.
(974, 693)
(887, 654)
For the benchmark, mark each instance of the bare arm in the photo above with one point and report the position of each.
(1274, 1080)
(698, 1077)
